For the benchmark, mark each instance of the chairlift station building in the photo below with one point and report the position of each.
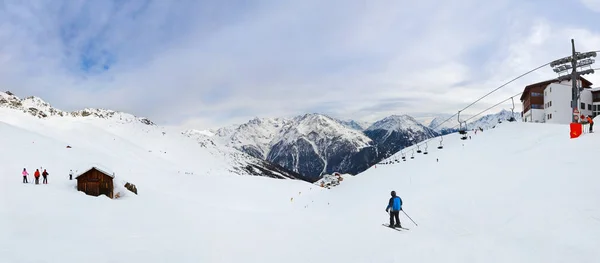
(550, 101)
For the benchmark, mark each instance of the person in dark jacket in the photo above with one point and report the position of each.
(395, 204)
(45, 175)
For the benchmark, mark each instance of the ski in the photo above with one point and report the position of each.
(397, 228)
(391, 228)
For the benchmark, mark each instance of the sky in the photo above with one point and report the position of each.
(208, 64)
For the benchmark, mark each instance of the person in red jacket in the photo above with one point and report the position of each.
(45, 175)
(37, 176)
(591, 122)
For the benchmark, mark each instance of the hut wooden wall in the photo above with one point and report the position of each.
(94, 182)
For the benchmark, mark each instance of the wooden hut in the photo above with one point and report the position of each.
(96, 182)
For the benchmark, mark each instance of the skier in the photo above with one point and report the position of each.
(37, 176)
(70, 174)
(395, 204)
(45, 175)
(591, 122)
(25, 174)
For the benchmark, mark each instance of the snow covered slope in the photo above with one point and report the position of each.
(179, 147)
(515, 193)
(396, 132)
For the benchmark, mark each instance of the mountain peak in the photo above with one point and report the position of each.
(37, 107)
(396, 123)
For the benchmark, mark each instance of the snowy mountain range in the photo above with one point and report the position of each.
(491, 120)
(304, 147)
(396, 132)
(234, 161)
(317, 144)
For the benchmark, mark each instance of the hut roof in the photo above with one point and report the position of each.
(103, 170)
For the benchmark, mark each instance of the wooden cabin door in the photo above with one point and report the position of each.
(93, 188)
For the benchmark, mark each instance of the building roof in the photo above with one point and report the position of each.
(112, 175)
(586, 83)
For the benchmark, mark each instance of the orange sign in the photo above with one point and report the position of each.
(576, 130)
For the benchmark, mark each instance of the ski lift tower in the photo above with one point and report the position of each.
(576, 60)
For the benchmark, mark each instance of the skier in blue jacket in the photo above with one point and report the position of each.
(395, 204)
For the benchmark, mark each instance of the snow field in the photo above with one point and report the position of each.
(518, 193)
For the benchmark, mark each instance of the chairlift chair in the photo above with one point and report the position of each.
(441, 145)
(425, 152)
(462, 130)
(418, 150)
(413, 154)
(403, 156)
(512, 110)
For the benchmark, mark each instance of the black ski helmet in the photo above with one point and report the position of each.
(393, 193)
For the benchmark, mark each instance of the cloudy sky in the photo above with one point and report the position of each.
(205, 64)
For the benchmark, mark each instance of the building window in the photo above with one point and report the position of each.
(550, 89)
(582, 106)
(550, 115)
(550, 103)
(589, 106)
(536, 94)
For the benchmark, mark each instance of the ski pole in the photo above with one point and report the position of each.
(409, 218)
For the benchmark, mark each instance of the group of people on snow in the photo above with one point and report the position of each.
(36, 175)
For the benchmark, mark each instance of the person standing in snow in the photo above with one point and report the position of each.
(395, 204)
(591, 122)
(37, 176)
(70, 174)
(25, 174)
(45, 175)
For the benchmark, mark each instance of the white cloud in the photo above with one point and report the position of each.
(212, 63)
(592, 4)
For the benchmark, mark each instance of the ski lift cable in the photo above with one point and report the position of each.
(493, 106)
(501, 86)
(494, 90)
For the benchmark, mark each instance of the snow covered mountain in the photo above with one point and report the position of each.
(316, 144)
(254, 137)
(396, 132)
(39, 108)
(155, 139)
(443, 124)
(356, 125)
(491, 120)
